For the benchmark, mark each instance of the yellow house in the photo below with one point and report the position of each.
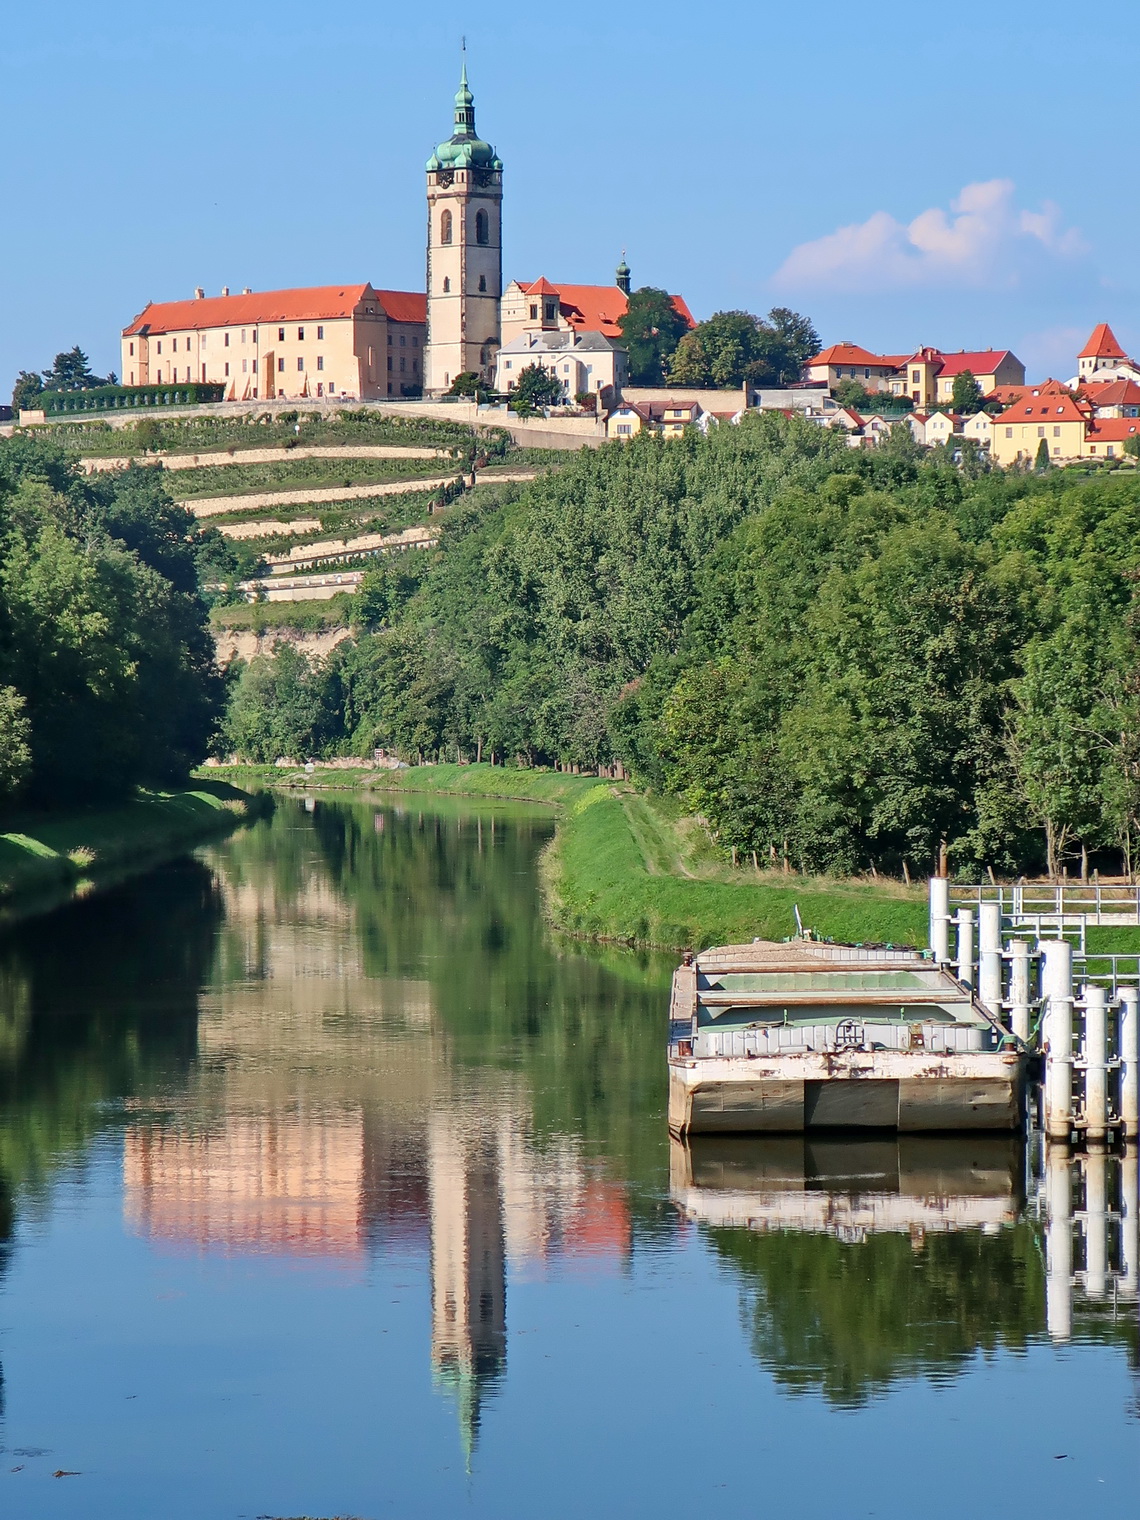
(1040, 415)
(331, 340)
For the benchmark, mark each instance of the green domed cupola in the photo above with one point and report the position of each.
(463, 149)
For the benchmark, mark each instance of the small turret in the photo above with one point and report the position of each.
(623, 281)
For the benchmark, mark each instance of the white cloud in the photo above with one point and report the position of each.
(984, 240)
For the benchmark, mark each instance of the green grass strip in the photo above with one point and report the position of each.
(48, 849)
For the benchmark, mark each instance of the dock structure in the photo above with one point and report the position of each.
(1076, 1010)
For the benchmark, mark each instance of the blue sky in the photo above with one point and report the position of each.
(904, 176)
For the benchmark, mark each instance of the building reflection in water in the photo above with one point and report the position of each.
(326, 1119)
(1089, 1205)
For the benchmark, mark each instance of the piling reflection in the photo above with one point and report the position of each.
(1091, 1216)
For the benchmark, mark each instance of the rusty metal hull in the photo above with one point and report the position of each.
(911, 1091)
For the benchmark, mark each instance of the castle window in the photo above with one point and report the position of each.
(280, 335)
(446, 285)
(227, 340)
(245, 366)
(320, 361)
(281, 366)
(320, 334)
(300, 363)
(389, 340)
(132, 350)
(534, 314)
(403, 366)
(389, 361)
(482, 228)
(243, 335)
(227, 369)
(550, 313)
(176, 345)
(160, 345)
(445, 227)
(403, 341)
(482, 282)
(300, 335)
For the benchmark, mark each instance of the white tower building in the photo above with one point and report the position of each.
(464, 252)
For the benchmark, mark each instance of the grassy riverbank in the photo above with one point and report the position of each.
(624, 867)
(46, 850)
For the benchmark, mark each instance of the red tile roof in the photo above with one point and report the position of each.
(1113, 429)
(594, 308)
(308, 304)
(850, 353)
(981, 362)
(1040, 404)
(1112, 393)
(404, 305)
(1102, 345)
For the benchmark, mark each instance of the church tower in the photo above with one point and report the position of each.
(464, 252)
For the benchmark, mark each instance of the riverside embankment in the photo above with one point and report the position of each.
(622, 867)
(46, 853)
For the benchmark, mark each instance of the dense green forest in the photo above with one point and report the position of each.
(107, 675)
(843, 660)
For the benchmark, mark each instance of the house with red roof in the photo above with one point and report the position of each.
(347, 341)
(1112, 398)
(925, 377)
(1102, 359)
(540, 306)
(847, 361)
(1042, 415)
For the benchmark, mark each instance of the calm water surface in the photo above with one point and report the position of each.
(330, 1185)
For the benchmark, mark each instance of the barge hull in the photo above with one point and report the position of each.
(899, 1091)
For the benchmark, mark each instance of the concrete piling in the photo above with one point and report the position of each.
(1129, 1026)
(989, 956)
(965, 960)
(1057, 989)
(1019, 988)
(940, 919)
(1096, 1063)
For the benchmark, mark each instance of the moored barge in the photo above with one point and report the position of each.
(808, 1035)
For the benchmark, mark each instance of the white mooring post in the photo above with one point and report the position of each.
(1019, 988)
(965, 961)
(1096, 1062)
(989, 956)
(1058, 1245)
(940, 918)
(1096, 1222)
(1057, 989)
(1130, 1222)
(1130, 1060)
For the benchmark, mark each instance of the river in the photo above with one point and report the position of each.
(332, 1184)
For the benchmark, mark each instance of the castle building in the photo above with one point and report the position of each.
(351, 341)
(464, 252)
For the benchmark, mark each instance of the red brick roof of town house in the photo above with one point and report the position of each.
(595, 308)
(1112, 392)
(850, 353)
(983, 361)
(306, 304)
(1039, 405)
(1112, 429)
(1102, 344)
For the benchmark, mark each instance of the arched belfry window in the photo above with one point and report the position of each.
(482, 228)
(445, 227)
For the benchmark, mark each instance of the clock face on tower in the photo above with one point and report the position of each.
(446, 179)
